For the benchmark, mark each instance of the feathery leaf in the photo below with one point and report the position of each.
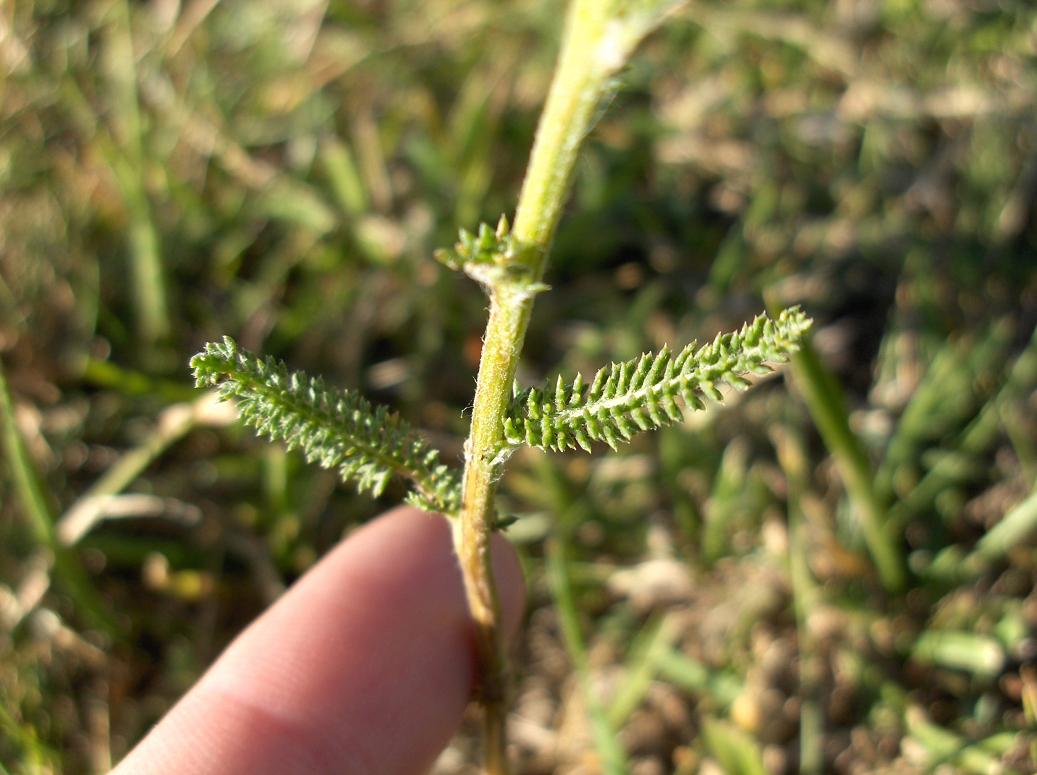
(487, 246)
(640, 394)
(488, 257)
(339, 429)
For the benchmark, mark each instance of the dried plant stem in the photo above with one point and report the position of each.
(587, 60)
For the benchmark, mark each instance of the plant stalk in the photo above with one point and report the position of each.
(827, 407)
(29, 490)
(595, 44)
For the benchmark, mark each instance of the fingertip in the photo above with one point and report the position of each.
(366, 663)
(507, 568)
(511, 583)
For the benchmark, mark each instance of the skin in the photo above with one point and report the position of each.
(364, 666)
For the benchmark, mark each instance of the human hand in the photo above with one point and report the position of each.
(364, 666)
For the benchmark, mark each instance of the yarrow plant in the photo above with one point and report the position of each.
(369, 444)
(338, 429)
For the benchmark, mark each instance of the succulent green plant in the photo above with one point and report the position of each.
(368, 444)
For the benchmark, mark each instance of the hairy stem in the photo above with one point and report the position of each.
(596, 42)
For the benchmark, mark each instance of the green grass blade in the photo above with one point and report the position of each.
(641, 669)
(978, 436)
(945, 747)
(1014, 528)
(941, 404)
(606, 740)
(344, 177)
(696, 678)
(736, 752)
(27, 487)
(126, 157)
(978, 655)
(827, 407)
(805, 597)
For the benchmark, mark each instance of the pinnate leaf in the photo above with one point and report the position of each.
(641, 394)
(338, 429)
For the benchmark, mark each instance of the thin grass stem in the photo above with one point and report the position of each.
(827, 407)
(603, 732)
(27, 487)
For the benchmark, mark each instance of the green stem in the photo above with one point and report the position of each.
(597, 40)
(70, 573)
(1013, 530)
(126, 158)
(603, 731)
(827, 407)
(805, 597)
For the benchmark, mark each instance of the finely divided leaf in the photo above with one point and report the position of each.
(640, 394)
(335, 428)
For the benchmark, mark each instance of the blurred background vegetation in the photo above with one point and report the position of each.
(708, 599)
